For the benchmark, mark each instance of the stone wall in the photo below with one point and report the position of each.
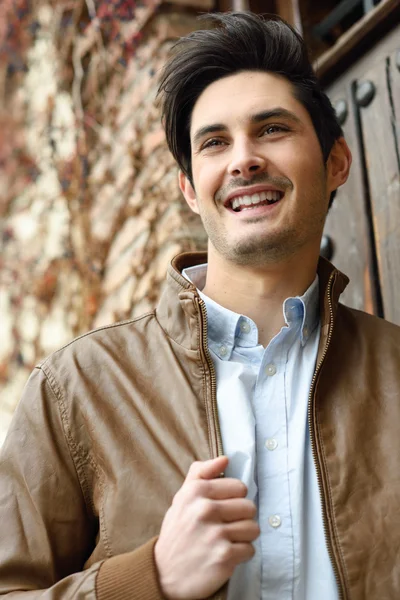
(91, 211)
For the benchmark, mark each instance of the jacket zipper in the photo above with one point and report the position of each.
(313, 446)
(218, 595)
(210, 363)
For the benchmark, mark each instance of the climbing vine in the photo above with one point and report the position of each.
(90, 207)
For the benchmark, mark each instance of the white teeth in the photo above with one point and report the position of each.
(270, 195)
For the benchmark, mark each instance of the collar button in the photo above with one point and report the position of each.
(223, 351)
(245, 327)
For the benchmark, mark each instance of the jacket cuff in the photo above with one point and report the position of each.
(130, 575)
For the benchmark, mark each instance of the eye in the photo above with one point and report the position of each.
(270, 129)
(211, 143)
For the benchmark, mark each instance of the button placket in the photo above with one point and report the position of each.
(272, 376)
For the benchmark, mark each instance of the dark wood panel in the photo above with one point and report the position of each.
(394, 75)
(347, 223)
(381, 150)
(290, 11)
(358, 39)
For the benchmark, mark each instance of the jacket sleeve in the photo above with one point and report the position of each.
(47, 527)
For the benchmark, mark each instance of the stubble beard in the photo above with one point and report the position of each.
(267, 248)
(253, 250)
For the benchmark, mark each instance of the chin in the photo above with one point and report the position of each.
(259, 250)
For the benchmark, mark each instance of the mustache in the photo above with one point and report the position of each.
(282, 183)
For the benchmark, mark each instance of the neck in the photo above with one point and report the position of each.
(259, 292)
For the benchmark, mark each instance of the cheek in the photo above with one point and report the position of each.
(207, 178)
(297, 162)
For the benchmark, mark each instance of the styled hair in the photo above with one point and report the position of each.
(239, 41)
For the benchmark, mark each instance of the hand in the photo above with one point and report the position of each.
(206, 533)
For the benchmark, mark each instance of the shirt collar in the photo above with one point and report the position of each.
(304, 310)
(227, 328)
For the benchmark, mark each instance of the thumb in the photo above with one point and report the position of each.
(207, 469)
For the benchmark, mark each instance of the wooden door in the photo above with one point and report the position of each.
(364, 222)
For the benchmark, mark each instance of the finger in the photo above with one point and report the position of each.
(237, 509)
(242, 531)
(241, 552)
(208, 469)
(224, 488)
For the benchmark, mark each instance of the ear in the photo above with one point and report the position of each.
(338, 164)
(188, 192)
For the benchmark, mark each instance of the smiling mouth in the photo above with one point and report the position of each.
(241, 203)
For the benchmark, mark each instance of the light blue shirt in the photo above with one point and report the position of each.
(262, 396)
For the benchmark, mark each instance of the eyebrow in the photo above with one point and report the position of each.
(254, 120)
(273, 114)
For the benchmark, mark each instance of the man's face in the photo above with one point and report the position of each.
(260, 183)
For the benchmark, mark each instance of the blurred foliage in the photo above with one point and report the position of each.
(89, 203)
(94, 39)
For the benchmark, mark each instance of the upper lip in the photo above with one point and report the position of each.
(249, 191)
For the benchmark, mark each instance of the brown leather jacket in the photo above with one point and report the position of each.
(108, 427)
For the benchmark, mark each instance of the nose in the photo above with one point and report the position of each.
(246, 160)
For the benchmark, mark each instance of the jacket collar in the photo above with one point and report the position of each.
(182, 320)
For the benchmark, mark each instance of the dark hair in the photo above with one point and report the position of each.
(240, 41)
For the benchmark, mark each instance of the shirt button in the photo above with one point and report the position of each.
(270, 370)
(223, 350)
(271, 444)
(245, 327)
(305, 331)
(275, 521)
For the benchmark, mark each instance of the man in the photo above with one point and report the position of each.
(110, 475)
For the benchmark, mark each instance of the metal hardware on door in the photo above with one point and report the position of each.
(397, 60)
(326, 249)
(341, 111)
(365, 92)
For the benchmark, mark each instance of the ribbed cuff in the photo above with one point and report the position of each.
(130, 575)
